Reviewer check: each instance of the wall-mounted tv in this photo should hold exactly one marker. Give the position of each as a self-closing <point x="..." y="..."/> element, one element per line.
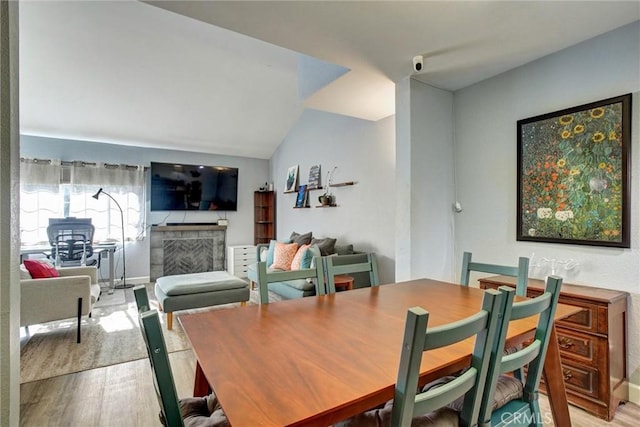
<point x="179" y="187"/>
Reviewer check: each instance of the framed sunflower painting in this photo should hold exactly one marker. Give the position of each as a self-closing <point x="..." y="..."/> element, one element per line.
<point x="573" y="175"/>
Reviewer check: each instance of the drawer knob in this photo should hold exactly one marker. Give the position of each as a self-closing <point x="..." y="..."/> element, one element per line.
<point x="566" y="373"/>
<point x="565" y="342"/>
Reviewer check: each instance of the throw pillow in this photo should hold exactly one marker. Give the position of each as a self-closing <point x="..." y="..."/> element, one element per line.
<point x="263" y="254"/>
<point x="344" y="249"/>
<point x="296" y="263"/>
<point x="327" y="246"/>
<point x="40" y="269"/>
<point x="24" y="273"/>
<point x="301" y="239"/>
<point x="283" y="255"/>
<point x="309" y="254"/>
<point x="272" y="246"/>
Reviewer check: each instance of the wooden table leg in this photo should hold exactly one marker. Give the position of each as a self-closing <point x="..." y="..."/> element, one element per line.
<point x="554" y="380"/>
<point x="201" y="385"/>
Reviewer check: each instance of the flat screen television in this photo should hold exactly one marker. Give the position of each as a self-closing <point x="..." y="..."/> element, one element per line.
<point x="179" y="187"/>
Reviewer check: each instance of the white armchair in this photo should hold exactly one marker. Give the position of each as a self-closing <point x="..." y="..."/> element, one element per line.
<point x="73" y="294"/>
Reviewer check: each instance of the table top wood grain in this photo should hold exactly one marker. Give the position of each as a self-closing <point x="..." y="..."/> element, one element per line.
<point x="317" y="360"/>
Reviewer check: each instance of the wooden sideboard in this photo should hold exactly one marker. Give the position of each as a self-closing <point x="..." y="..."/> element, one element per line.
<point x="593" y="344"/>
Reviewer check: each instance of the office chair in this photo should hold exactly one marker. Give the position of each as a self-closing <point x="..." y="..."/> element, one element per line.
<point x="71" y="241"/>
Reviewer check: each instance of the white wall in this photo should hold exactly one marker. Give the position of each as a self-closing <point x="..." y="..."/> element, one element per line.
<point x="485" y="162"/>
<point x="364" y="152"/>
<point x="425" y="181"/>
<point x="252" y="173"/>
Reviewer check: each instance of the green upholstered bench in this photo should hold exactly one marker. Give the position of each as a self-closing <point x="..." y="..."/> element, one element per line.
<point x="197" y="290"/>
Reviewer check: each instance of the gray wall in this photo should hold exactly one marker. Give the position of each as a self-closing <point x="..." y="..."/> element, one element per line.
<point x="252" y="174"/>
<point x="485" y="157"/>
<point x="364" y="152"/>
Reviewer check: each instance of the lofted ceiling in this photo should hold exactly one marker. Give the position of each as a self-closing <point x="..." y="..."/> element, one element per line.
<point x="228" y="77"/>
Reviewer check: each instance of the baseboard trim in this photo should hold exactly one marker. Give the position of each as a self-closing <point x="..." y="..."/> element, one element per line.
<point x="634" y="393"/>
<point x="133" y="280"/>
<point x="138" y="280"/>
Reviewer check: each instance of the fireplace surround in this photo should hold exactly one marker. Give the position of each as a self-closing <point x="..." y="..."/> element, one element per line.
<point x="182" y="249"/>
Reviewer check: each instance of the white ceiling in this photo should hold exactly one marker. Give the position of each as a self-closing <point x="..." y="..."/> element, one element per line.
<point x="131" y="73"/>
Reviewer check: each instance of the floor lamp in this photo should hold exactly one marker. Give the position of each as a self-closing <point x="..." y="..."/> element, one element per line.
<point x="124" y="264"/>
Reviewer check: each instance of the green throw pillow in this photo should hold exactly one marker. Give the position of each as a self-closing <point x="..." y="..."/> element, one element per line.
<point x="308" y="255"/>
<point x="272" y="248"/>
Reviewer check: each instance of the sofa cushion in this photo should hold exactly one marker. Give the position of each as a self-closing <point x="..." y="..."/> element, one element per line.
<point x="40" y="269"/>
<point x="301" y="239"/>
<point x="24" y="273"/>
<point x="300" y="284"/>
<point x="194" y="283"/>
<point x="327" y="245"/>
<point x="309" y="254"/>
<point x="272" y="247"/>
<point x="344" y="249"/>
<point x="296" y="263"/>
<point x="283" y="255"/>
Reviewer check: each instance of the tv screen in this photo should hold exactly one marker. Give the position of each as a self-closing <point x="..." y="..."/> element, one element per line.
<point x="178" y="187"/>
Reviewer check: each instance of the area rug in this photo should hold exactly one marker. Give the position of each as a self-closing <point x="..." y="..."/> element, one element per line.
<point x="110" y="336"/>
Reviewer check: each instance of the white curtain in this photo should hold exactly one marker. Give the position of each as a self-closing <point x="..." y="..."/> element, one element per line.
<point x="40" y="198"/>
<point x="52" y="189"/>
<point x="122" y="182"/>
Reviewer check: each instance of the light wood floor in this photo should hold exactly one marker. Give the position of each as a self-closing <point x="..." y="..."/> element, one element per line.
<point x="123" y="395"/>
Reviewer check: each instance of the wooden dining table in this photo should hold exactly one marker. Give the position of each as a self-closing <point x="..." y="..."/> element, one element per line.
<point x="317" y="360"/>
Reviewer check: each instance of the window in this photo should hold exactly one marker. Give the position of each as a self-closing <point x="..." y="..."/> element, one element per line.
<point x="49" y="189"/>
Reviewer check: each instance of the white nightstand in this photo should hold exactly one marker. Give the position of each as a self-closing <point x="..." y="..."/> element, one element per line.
<point x="239" y="258"/>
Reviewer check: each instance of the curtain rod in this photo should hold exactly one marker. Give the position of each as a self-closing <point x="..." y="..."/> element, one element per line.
<point x="81" y="163"/>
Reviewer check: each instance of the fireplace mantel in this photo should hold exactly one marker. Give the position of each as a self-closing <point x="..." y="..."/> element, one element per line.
<point x="188" y="227"/>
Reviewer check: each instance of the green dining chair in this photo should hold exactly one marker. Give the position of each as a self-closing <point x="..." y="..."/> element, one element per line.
<point x="421" y="408"/>
<point x="507" y="400"/>
<point x="174" y="412"/>
<point x="263" y="276"/>
<point x="326" y="283"/>
<point x="521" y="271"/>
<point x="142" y="298"/>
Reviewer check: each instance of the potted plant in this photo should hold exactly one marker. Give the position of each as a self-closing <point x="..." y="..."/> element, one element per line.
<point x="327" y="198"/>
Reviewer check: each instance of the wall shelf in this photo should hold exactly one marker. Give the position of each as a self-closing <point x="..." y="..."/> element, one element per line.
<point x="342" y="184"/>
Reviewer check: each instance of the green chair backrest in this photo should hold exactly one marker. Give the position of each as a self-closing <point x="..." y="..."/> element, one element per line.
<point x="533" y="354"/>
<point x="328" y="284"/>
<point x="521" y="271"/>
<point x="265" y="277"/>
<point x="142" y="299"/>
<point x="417" y="339"/>
<point x="160" y="367"/>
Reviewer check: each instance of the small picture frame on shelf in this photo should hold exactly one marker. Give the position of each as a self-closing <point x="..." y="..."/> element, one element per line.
<point x="292" y="179"/>
<point x="301" y="200"/>
<point x="314" y="177"/>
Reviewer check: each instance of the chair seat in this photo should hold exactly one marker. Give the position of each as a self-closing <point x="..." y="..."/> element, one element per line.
<point x="508" y="389"/>
<point x="381" y="417"/>
<point x="202" y="412"/>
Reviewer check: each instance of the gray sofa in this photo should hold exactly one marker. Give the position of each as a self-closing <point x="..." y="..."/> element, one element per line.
<point x="302" y="283"/>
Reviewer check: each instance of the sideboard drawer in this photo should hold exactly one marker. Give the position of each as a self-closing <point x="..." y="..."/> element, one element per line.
<point x="585" y="320"/>
<point x="580" y="378"/>
<point x="577" y="345"/>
